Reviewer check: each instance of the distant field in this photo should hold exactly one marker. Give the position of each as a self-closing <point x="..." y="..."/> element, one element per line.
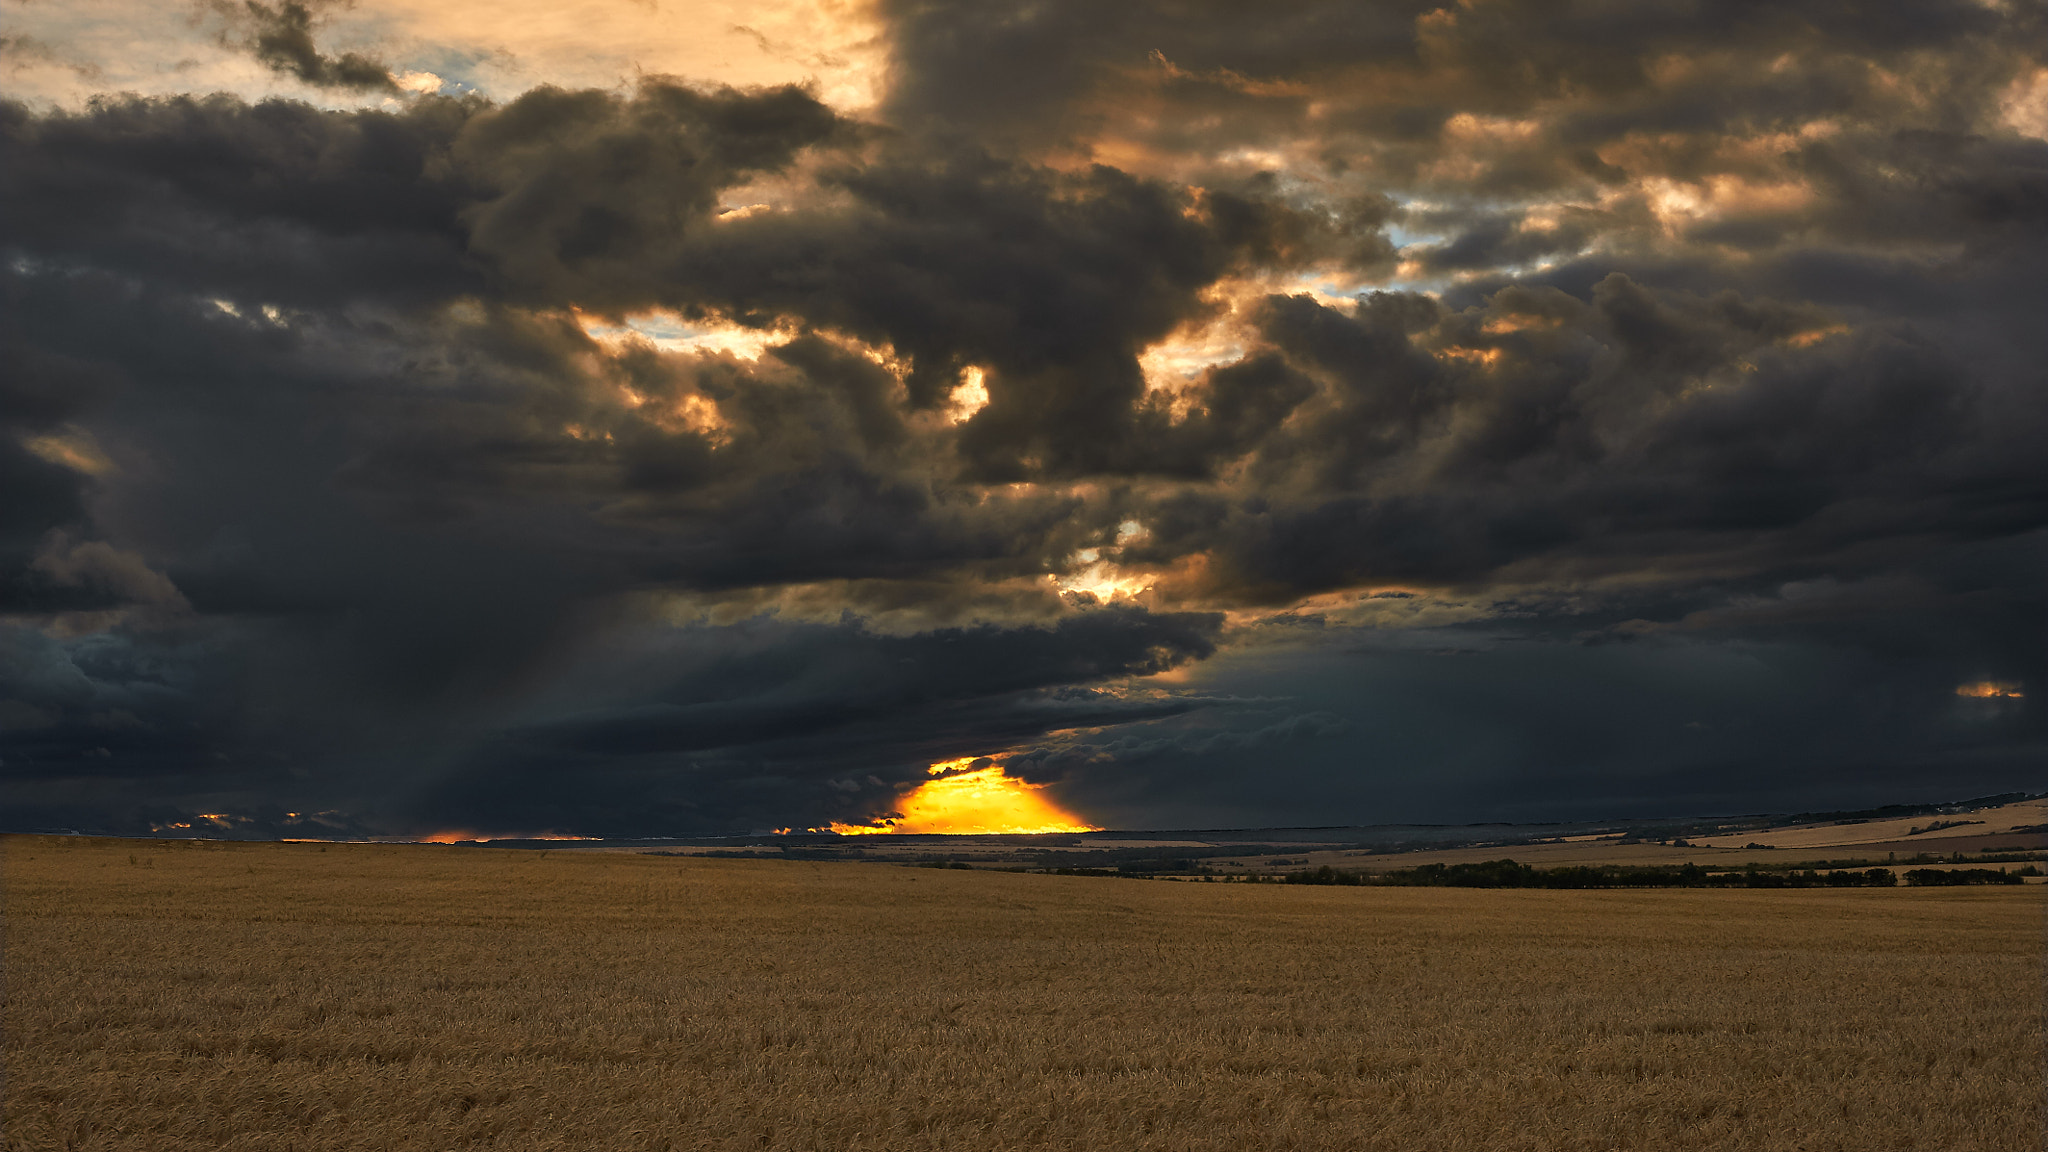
<point x="166" y="995"/>
<point x="1607" y="852"/>
<point x="2007" y="828"/>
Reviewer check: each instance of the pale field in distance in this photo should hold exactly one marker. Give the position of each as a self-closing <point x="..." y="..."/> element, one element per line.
<point x="1980" y="830"/>
<point x="201" y="996"/>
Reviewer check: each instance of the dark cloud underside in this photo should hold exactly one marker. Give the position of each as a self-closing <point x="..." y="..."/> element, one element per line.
<point x="1224" y="412"/>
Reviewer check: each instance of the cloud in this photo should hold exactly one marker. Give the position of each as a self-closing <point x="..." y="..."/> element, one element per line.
<point x="98" y="566"/>
<point x="728" y="730"/>
<point x="670" y="455"/>
<point x="1541" y="433"/>
<point x="281" y="38"/>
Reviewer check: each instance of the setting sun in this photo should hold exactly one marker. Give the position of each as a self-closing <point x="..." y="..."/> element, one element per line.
<point x="965" y="801"/>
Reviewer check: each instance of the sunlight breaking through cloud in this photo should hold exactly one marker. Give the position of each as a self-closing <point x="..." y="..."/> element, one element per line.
<point x="1990" y="690"/>
<point x="963" y="800"/>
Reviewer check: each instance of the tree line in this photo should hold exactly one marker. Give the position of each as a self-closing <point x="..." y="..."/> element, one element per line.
<point x="1510" y="874"/>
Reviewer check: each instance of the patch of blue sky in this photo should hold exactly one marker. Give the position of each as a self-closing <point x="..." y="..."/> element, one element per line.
<point x="461" y="70"/>
<point x="671" y="333"/>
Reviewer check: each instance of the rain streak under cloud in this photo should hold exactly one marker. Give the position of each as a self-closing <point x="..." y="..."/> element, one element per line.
<point x="718" y="418"/>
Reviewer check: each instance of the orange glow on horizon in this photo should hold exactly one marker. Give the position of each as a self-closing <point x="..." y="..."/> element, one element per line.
<point x="1991" y="690"/>
<point x="964" y="801"/>
<point x="450" y="836"/>
<point x="464" y="835"/>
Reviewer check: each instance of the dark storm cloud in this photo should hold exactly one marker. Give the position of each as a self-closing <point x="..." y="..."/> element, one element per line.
<point x="281" y="38"/>
<point x="1385" y="80"/>
<point x="1049" y="281"/>
<point x="858" y="676"/>
<point x="424" y="552"/>
<point x="949" y="256"/>
<point x="1628" y="432"/>
<point x="739" y="728"/>
<point x="541" y="198"/>
<point x="359" y="461"/>
<point x="1509" y="729"/>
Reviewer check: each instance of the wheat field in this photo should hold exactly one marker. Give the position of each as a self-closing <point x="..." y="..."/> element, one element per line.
<point x="293" y="996"/>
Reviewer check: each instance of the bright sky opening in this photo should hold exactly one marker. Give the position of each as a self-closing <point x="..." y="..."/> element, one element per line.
<point x="964" y="801"/>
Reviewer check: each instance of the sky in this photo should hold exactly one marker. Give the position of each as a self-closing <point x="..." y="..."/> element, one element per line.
<point x="646" y="418"/>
